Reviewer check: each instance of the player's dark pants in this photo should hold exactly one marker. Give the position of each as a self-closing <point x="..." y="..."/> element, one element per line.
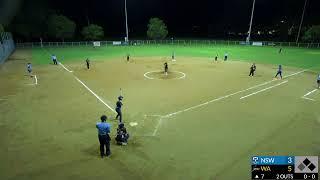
<point x="104" y="142"/>
<point x="279" y="73"/>
<point x="226" y="58"/>
<point x="251" y="73"/>
<point x="318" y="81"/>
<point x="118" y="110"/>
<point x="166" y="70"/>
<point x="88" y="66"/>
<point x="55" y="62"/>
<point x="122" y="138"/>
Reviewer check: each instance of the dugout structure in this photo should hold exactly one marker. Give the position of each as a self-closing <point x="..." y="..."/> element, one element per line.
<point x="6" y="46"/>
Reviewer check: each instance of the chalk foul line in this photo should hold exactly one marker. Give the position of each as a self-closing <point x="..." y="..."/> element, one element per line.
<point x="262" y="90"/>
<point x="229" y="95"/>
<point x="309" y="93"/>
<point x="64" y="67"/>
<point x="35" y="80"/>
<point x="112" y="109"/>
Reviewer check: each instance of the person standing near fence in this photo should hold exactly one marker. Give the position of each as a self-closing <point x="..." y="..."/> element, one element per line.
<point x="103" y="135"/>
<point x="54" y="59"/>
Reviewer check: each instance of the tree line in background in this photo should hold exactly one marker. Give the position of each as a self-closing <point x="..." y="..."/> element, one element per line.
<point x="60" y="27"/>
<point x="37" y="21"/>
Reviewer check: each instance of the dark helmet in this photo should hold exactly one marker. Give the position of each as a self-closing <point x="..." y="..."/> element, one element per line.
<point x="103" y="118"/>
<point x="120" y="97"/>
<point x="121" y="125"/>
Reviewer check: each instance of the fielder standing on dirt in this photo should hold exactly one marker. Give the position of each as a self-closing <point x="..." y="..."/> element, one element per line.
<point x="279" y="72"/>
<point x="29" y="69"/>
<point x="54" y="59"/>
<point x="88" y="63"/>
<point x="252" y="69"/>
<point x="318" y="81"/>
<point x="166" y="67"/>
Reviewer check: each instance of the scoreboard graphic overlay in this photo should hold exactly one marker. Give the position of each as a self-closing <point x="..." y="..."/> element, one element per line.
<point x="284" y="167"/>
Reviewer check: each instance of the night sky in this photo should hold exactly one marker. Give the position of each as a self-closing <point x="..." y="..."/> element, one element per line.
<point x="185" y="17"/>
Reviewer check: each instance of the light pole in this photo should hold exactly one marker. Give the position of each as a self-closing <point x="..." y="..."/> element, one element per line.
<point x="250" y="27"/>
<point x="127" y="31"/>
<point x="302" y="17"/>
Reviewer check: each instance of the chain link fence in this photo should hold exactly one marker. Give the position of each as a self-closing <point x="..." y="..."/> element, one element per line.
<point x="168" y="42"/>
<point x="6" y="46"/>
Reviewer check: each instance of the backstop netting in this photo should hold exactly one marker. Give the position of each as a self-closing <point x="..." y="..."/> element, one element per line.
<point x="6" y="46"/>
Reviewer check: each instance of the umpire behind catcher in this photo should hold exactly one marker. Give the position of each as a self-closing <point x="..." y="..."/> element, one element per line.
<point x="103" y="135"/>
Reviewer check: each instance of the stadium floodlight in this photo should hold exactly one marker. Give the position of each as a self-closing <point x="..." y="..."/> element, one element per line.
<point x="126" y="14"/>
<point x="301" y="22"/>
<point x="250" y="27"/>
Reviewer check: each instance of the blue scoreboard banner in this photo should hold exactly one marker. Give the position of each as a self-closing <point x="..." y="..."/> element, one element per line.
<point x="272" y="160"/>
<point x="284" y="167"/>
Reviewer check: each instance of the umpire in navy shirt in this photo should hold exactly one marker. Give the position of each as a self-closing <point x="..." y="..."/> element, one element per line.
<point x="103" y="135"/>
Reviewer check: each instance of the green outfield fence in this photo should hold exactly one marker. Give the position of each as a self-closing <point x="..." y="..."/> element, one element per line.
<point x="167" y="42"/>
<point x="6" y="46"/>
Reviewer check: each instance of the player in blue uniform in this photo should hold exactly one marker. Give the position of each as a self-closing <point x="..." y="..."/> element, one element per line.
<point x="118" y="108"/>
<point x="29" y="68"/>
<point x="54" y="59"/>
<point x="318" y="81"/>
<point x="279" y="72"/>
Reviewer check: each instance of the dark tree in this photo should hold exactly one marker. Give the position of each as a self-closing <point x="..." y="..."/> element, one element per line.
<point x="157" y="29"/>
<point x="92" y="32"/>
<point x="30" y="22"/>
<point x="61" y="27"/>
<point x="1" y="28"/>
<point x="312" y="34"/>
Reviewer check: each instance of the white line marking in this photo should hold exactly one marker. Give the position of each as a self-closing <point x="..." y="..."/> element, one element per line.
<point x="152" y="115"/>
<point x="146" y="75"/>
<point x="262" y="90"/>
<point x="182" y="77"/>
<point x="95" y="95"/>
<point x="157" y="127"/>
<point x="35" y="77"/>
<point x="35" y="80"/>
<point x="2" y="99"/>
<point x="296" y="73"/>
<point x="308" y="98"/>
<point x="223" y="97"/>
<point x="64" y="67"/>
<point x="310" y="92"/>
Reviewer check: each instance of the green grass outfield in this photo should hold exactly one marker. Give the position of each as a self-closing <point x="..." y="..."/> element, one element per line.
<point x="296" y="57"/>
<point x="205" y="126"/>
